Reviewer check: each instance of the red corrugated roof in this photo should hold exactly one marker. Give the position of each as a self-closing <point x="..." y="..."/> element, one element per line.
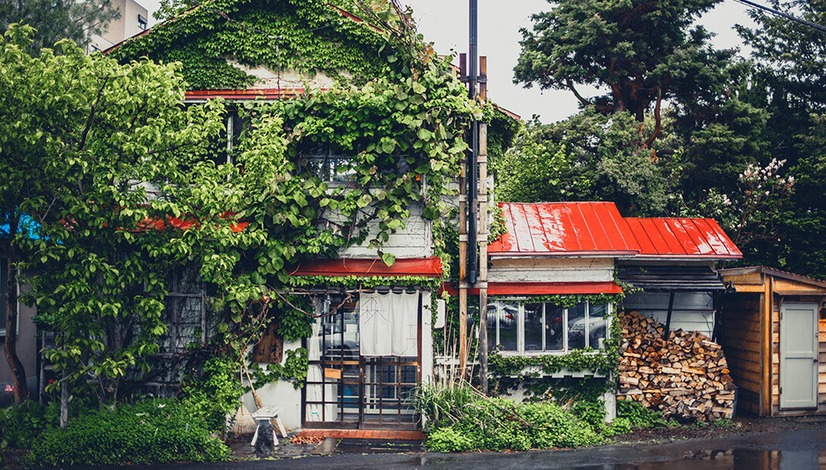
<point x="563" y="228"/>
<point x="671" y="237"/>
<point x="598" y="229"/>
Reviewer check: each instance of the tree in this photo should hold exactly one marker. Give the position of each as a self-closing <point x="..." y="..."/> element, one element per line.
<point x="589" y="156"/>
<point x="791" y="84"/>
<point x="77" y="136"/>
<point x="643" y="52"/>
<point x="54" y="20"/>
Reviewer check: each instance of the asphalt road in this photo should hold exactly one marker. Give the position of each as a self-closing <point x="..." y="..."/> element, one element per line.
<point x="799" y="449"/>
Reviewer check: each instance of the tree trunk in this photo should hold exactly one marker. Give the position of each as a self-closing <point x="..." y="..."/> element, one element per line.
<point x="64" y="400"/>
<point x="18" y="373"/>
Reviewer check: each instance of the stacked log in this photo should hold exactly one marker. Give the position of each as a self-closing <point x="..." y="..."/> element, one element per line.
<point x="684" y="376"/>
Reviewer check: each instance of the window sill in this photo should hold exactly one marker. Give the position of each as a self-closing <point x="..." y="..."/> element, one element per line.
<point x="545" y="353"/>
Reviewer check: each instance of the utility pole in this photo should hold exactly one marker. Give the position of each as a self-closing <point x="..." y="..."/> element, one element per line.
<point x="473" y="207"/>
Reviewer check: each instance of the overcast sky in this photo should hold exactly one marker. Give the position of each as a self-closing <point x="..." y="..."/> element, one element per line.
<point x="445" y="23"/>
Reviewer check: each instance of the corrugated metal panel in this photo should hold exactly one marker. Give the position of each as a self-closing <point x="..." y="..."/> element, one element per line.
<point x="668" y="278"/>
<point x="563" y="228"/>
<point x="681" y="238"/>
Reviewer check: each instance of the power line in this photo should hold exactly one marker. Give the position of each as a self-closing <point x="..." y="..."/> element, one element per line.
<point x="773" y="11"/>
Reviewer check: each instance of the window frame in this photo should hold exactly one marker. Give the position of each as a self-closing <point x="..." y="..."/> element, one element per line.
<point x="520" y="303"/>
<point x="3" y="293"/>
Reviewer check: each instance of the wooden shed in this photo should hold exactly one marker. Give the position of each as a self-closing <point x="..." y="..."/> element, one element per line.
<point x="774" y="337"/>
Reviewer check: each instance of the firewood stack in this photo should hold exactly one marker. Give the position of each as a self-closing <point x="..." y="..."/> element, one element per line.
<point x="684" y="377"/>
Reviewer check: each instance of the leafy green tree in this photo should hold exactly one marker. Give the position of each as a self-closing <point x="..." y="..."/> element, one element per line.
<point x="589" y="156"/>
<point x="791" y="84"/>
<point x="86" y="147"/>
<point x="54" y="20"/>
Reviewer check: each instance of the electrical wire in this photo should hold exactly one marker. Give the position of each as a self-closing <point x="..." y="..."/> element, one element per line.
<point x="773" y="11"/>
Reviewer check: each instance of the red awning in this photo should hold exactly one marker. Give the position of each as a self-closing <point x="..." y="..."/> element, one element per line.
<point x="430" y="267"/>
<point x="542" y="288"/>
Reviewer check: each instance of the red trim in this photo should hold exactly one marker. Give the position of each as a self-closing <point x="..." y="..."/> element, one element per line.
<point x="430" y="267"/>
<point x="248" y="94"/>
<point x="184" y="224"/>
<point x="541" y="288"/>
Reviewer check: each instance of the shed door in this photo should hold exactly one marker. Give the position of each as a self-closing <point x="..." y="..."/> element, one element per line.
<point x="798" y="356"/>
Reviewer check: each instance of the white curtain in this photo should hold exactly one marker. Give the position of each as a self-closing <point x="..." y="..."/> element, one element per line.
<point x="314" y="373"/>
<point x="389" y="324"/>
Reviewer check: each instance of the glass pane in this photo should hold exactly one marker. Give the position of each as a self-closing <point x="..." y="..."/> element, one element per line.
<point x="553" y="328"/>
<point x="189" y="281"/>
<point x="598" y="326"/>
<point x="533" y="327"/>
<point x="576" y="327"/>
<point x="3" y="290"/>
<point x="508" y="315"/>
<point x="492" y="320"/>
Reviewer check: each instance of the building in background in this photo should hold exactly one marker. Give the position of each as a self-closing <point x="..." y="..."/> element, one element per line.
<point x="133" y="19"/>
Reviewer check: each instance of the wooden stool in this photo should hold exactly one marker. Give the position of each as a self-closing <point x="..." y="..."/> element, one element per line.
<point x="266" y="413"/>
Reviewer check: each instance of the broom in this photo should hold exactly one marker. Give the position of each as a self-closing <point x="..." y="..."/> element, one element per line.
<point x="243" y="423"/>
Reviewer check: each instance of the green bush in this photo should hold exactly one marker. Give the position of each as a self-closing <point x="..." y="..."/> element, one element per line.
<point x="160" y="431"/>
<point x="641" y="417"/>
<point x="20" y="425"/>
<point x="214" y="391"/>
<point x="448" y="440"/>
<point x="465" y="420"/>
<point x="591" y="411"/>
<point x="617" y="427"/>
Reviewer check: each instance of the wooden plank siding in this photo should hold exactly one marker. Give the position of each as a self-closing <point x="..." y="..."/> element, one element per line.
<point x="821" y="372"/>
<point x="762" y="291"/>
<point x="742" y="346"/>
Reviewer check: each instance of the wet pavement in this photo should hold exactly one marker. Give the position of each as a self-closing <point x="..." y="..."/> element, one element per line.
<point x="802" y="448"/>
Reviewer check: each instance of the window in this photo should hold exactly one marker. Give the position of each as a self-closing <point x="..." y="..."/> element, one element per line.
<point x="542" y="327"/>
<point x="141" y="23"/>
<point x="4" y="290"/>
<point x="185" y="311"/>
<point x="327" y="164"/>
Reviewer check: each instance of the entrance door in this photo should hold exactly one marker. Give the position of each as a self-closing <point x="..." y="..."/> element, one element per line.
<point x="798" y="356"/>
<point x="345" y="389"/>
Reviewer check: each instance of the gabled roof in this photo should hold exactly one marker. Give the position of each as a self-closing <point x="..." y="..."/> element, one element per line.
<point x="563" y="228"/>
<point x="597" y="229"/>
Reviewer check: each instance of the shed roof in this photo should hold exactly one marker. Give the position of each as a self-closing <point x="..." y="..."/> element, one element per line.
<point x="598" y="229"/>
<point x="754" y="275"/>
<point x="671" y="237"/>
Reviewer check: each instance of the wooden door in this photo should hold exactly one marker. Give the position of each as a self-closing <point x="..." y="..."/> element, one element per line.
<point x="798" y="356"/>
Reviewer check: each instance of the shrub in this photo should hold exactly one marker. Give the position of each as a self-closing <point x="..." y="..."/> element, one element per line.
<point x="592" y="412"/>
<point x="21" y="424"/>
<point x="639" y="416"/>
<point x="160" y="431"/>
<point x="617" y="427"/>
<point x="214" y="391"/>
<point x="462" y="419"/>
<point x="448" y="440"/>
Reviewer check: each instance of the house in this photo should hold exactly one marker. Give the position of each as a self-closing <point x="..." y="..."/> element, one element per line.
<point x="389" y="135"/>
<point x="555" y="276"/>
<point x="774" y="336"/>
<point x="27" y="342"/>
